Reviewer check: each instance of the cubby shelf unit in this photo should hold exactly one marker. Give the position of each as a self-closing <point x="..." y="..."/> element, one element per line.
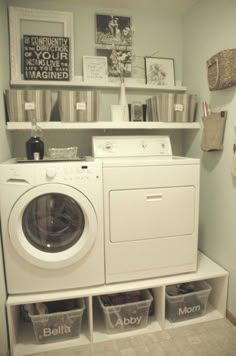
<point x="22" y="340"/>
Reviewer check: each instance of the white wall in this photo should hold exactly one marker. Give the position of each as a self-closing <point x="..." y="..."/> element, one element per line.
<point x="4" y="154"/>
<point x="4" y="79"/>
<point x="208" y="28"/>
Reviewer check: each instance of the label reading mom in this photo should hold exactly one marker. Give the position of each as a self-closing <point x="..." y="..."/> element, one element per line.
<point x="46" y="58"/>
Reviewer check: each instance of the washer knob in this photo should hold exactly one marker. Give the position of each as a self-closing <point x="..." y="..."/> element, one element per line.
<point x="108" y="146"/>
<point x="51" y="172"/>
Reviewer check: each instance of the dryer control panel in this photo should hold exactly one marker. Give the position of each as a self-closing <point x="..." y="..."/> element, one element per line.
<point x="131" y="146"/>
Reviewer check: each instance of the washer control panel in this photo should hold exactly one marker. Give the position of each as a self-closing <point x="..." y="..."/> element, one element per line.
<point x="56" y="172"/>
<point x="131" y="146"/>
<point x="67" y="172"/>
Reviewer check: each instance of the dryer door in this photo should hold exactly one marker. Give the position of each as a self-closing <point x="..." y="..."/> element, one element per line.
<point x="52" y="226"/>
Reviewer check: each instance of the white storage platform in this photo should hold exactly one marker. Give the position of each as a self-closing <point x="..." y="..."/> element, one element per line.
<point x="22" y="339"/>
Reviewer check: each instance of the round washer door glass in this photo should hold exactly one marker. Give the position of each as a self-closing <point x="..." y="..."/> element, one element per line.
<point x="53" y="222"/>
<point x="53" y="226"/>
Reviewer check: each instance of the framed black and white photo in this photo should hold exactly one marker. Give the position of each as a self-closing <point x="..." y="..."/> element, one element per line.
<point x="118" y="61"/>
<point x="113" y="29"/>
<point x="159" y="71"/>
<point x="95" y="69"/>
<point x="137" y="111"/>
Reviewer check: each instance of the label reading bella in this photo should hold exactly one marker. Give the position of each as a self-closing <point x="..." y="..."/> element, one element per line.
<point x="60" y="330"/>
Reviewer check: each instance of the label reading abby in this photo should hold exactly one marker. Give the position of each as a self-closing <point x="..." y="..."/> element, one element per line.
<point x="132" y="320"/>
<point x="46" y="58"/>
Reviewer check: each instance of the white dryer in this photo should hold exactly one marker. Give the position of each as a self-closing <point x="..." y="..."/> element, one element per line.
<point x="151" y="207"/>
<point x="52" y="225"/>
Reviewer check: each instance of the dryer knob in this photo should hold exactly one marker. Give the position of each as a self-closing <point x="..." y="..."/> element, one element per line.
<point x="51" y="172"/>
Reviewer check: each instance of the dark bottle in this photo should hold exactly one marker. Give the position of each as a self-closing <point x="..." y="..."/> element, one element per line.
<point x="34" y="148"/>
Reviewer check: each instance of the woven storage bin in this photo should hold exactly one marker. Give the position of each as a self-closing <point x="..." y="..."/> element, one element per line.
<point x="78" y="106"/>
<point x="221" y="70"/>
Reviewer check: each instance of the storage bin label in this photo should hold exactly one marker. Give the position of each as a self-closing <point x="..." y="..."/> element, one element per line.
<point x="189" y="310"/>
<point x="81" y="106"/>
<point x="129" y="321"/>
<point x="29" y="106"/>
<point x="60" y="330"/>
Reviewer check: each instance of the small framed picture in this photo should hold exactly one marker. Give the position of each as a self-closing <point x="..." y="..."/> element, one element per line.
<point x="159" y="71"/>
<point x="118" y="61"/>
<point x="137" y="112"/>
<point x="95" y="69"/>
<point x="113" y="29"/>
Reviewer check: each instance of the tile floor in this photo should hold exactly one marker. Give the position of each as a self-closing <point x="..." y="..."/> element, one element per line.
<point x="214" y="338"/>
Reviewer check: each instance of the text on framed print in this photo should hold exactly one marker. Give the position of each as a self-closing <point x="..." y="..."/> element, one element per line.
<point x="46" y="58"/>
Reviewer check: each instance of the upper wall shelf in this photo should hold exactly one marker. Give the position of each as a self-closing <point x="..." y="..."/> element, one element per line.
<point x="77" y="82"/>
<point x="58" y="125"/>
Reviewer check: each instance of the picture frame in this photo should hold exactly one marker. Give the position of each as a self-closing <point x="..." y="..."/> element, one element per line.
<point x="159" y="71"/>
<point x="95" y="69"/>
<point x="119" y="61"/>
<point x="137" y="112"/>
<point x="38" y="22"/>
<point x="113" y="29"/>
<point x="46" y="58"/>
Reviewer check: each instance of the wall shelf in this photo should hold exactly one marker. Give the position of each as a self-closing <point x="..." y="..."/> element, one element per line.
<point x="58" y="125"/>
<point x="79" y="83"/>
<point x="22" y="340"/>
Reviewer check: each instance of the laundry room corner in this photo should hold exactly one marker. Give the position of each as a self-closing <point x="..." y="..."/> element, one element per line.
<point x="117" y="226"/>
<point x="208" y="28"/>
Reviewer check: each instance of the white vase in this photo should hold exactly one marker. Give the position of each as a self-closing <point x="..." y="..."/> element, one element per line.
<point x="117" y="113"/>
<point x="123" y="101"/>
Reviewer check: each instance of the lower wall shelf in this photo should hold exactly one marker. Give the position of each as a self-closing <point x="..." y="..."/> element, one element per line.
<point x="58" y="125"/>
<point x="22" y="339"/>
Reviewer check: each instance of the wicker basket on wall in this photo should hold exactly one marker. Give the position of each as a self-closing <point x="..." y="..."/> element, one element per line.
<point x="221" y="70"/>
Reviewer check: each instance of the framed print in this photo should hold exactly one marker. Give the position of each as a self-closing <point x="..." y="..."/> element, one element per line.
<point x="46" y="58"/>
<point x="26" y="21"/>
<point x="118" y="61"/>
<point x="159" y="71"/>
<point x="95" y="68"/>
<point x="112" y="29"/>
<point x="137" y="111"/>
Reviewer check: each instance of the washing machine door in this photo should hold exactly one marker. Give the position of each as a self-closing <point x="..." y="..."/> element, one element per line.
<point x="52" y="225"/>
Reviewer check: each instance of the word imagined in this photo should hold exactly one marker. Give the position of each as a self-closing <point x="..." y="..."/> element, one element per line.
<point x="60" y="330"/>
<point x="129" y="321"/>
<point x="46" y="58"/>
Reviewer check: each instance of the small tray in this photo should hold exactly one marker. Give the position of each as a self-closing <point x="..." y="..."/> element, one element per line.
<point x="47" y="159"/>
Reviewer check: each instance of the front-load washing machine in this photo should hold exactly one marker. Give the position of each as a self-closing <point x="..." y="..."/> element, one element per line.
<point x="151" y="201"/>
<point x="52" y="225"/>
